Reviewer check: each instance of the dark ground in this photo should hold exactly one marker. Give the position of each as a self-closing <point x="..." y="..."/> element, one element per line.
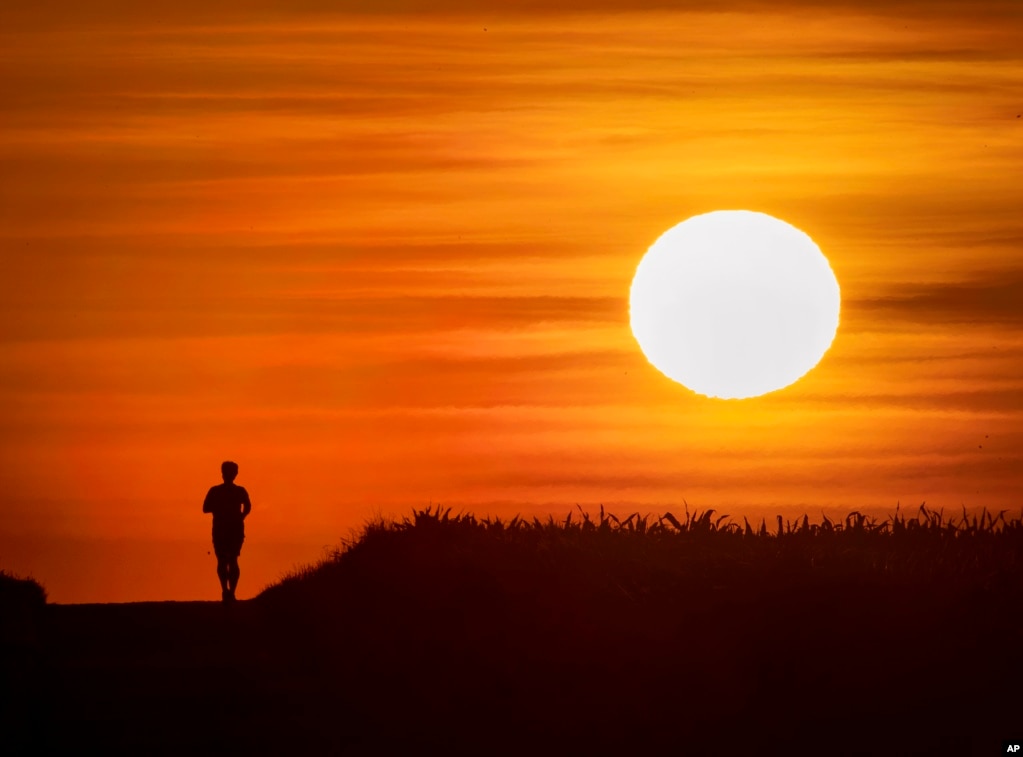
<point x="466" y="655"/>
<point x="199" y="678"/>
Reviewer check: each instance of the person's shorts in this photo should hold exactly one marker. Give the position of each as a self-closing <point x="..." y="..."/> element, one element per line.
<point x="227" y="542"/>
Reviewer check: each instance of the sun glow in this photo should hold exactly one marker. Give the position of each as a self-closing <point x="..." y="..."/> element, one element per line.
<point x="734" y="304"/>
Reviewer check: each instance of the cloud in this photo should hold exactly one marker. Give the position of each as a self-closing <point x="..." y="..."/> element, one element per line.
<point x="127" y="12"/>
<point x="235" y="316"/>
<point x="994" y="299"/>
<point x="998" y="400"/>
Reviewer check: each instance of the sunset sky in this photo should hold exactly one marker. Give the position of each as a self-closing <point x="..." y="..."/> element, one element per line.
<point x="379" y="254"/>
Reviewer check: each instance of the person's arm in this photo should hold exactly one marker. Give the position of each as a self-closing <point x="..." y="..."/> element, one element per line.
<point x="246" y="504"/>
<point x="207" y="504"/>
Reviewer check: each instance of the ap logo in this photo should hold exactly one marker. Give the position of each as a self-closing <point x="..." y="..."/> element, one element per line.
<point x="1013" y="747"/>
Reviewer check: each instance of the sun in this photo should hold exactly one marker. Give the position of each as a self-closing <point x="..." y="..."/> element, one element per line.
<point x="734" y="304"/>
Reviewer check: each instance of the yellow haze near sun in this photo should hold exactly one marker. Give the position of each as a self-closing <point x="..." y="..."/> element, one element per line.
<point x="734" y="304"/>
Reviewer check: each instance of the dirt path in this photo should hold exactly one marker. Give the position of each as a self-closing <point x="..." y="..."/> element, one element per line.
<point x="170" y="678"/>
<point x="196" y="678"/>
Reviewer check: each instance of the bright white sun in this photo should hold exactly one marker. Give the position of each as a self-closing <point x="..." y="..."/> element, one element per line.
<point x="734" y="304"/>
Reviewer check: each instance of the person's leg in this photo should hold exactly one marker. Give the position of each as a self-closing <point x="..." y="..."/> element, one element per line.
<point x="232" y="575"/>
<point x="223" y="573"/>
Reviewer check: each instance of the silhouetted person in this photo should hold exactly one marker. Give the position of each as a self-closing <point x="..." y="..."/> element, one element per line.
<point x="229" y="505"/>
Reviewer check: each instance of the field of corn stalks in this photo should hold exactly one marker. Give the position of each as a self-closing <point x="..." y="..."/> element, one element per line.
<point x="683" y="623"/>
<point x="928" y="545"/>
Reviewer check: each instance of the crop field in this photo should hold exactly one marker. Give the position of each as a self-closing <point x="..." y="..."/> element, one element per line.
<point x="680" y="634"/>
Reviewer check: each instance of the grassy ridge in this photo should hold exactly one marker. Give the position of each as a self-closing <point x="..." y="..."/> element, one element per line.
<point x="15" y="589"/>
<point x="928" y="545"/>
<point x="611" y="634"/>
<point x="21" y="604"/>
<point x="22" y="607"/>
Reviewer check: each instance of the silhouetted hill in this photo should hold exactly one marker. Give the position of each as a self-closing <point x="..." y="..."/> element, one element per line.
<point x="22" y="607"/>
<point x="22" y="602"/>
<point x="454" y="636"/>
<point x="677" y="637"/>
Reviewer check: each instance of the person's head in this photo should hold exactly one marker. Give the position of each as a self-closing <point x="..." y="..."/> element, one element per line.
<point x="229" y="471"/>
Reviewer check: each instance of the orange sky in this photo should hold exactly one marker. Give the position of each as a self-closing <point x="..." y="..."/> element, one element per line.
<point x="382" y="259"/>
